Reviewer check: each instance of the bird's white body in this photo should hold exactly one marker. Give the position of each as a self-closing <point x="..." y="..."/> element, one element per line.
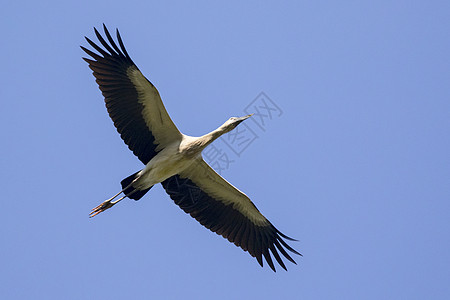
<point x="170" y="161"/>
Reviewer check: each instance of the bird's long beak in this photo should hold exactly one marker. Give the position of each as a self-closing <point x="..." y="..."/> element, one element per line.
<point x="239" y="120"/>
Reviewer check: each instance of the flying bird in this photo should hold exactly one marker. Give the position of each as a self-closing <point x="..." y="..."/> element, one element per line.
<point x="174" y="159"/>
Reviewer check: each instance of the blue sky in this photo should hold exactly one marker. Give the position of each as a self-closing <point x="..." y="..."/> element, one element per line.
<point x="356" y="167"/>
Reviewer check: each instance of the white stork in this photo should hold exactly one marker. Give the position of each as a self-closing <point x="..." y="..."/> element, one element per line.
<point x="174" y="159"/>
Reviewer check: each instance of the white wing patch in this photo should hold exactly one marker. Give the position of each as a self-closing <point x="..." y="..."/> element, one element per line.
<point x="154" y="112"/>
<point x="221" y="190"/>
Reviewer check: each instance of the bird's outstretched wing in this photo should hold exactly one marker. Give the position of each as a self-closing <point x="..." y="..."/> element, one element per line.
<point x="132" y="101"/>
<point x="223" y="209"/>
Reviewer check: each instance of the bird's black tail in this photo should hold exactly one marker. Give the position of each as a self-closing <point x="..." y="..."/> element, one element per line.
<point x="130" y="191"/>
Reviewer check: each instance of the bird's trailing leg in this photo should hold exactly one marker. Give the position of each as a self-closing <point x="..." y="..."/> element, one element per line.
<point x="106" y="204"/>
<point x="110" y="203"/>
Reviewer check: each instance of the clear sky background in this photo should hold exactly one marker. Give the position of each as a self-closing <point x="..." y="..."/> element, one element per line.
<point x="357" y="166"/>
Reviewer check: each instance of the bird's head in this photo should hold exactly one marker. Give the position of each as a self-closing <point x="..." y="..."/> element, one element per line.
<point x="232" y="122"/>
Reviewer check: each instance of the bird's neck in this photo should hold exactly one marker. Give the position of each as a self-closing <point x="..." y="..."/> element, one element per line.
<point x="193" y="146"/>
<point x="211" y="137"/>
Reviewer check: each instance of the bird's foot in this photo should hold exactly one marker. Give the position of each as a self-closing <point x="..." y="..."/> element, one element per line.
<point x="101" y="208"/>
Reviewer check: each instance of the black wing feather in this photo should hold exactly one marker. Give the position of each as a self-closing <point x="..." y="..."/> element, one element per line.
<point x="229" y="222"/>
<point x="121" y="98"/>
